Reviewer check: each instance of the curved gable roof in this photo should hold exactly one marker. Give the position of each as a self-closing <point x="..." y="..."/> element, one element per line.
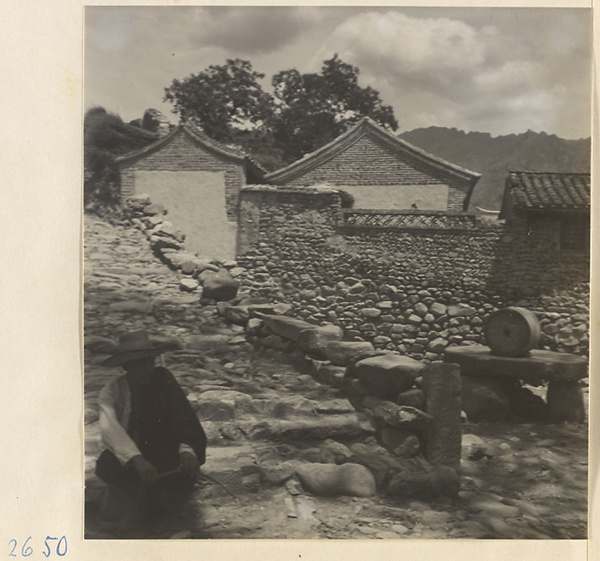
<point x="368" y="127"/>
<point x="195" y="135"/>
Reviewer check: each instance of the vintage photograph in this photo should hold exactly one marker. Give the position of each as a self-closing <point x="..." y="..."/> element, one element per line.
<point x="336" y="272"/>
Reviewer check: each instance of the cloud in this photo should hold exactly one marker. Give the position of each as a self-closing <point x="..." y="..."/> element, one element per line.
<point x="501" y="75"/>
<point x="248" y="30"/>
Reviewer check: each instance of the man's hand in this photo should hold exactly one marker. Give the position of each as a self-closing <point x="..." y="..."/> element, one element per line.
<point x="190" y="466"/>
<point x="145" y="469"/>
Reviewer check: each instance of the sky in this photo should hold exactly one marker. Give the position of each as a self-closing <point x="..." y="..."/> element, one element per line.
<point x="496" y="70"/>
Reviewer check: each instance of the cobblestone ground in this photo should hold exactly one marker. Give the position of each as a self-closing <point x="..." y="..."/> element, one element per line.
<point x="518" y="481"/>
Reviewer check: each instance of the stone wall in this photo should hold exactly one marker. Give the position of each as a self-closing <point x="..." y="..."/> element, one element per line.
<point x="414" y="291"/>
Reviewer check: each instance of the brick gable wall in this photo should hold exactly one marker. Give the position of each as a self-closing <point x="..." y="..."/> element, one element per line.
<point x="183" y="154"/>
<point x="369" y="163"/>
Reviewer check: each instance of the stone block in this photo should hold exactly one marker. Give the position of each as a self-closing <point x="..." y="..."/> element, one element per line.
<point x="442" y="388"/>
<point x="387" y="375"/>
<point x="220" y="286"/>
<point x="353" y="480"/>
<point x="400" y="442"/>
<point x="400" y="416"/>
<point x="315" y="339"/>
<point x="484" y="399"/>
<point x="341" y="353"/>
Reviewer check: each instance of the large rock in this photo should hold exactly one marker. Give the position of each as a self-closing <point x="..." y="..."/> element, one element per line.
<point x="442" y="386"/>
<point x="342" y="353"/>
<point x="413" y="398"/>
<point x="565" y="402"/>
<point x="400" y="416"/>
<point x="381" y="461"/>
<point x="221" y="405"/>
<point x="388" y="375"/>
<point x="330" y="480"/>
<point x="220" y="286"/>
<point x="284" y="326"/>
<point x="400" y="442"/>
<point x="484" y="399"/>
<point x="314" y="340"/>
<point x="425" y="485"/>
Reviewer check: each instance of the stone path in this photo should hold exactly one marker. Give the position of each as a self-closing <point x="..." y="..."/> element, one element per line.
<point x="261" y="413"/>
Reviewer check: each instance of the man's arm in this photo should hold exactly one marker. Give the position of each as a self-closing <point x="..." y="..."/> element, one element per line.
<point x="114" y="435"/>
<point x="189" y="428"/>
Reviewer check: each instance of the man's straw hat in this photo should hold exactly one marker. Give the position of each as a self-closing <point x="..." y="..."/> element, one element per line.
<point x="133" y="346"/>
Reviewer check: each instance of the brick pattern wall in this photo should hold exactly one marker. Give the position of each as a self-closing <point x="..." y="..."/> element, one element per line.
<point x="183" y="154"/>
<point x="368" y="163"/>
<point x="411" y="291"/>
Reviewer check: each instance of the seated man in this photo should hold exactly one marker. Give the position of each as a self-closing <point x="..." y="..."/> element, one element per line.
<point x="149" y="430"/>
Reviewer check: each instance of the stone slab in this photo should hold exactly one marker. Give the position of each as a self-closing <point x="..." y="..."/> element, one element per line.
<point x="539" y="367"/>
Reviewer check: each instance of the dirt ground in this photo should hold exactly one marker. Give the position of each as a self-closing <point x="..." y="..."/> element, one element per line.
<point x="526" y="481"/>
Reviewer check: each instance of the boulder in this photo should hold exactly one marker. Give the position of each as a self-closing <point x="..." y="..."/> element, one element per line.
<point x="222" y="405"/>
<point x="425" y="485"/>
<point x="400" y="442"/>
<point x="220" y="286"/>
<point x="329" y="480"/>
<point x="388" y="375"/>
<point x="400" y="416"/>
<point x="314" y="340"/>
<point x="274" y="473"/>
<point x="284" y="326"/>
<point x="154" y="209"/>
<point x="188" y="285"/>
<point x="333" y="452"/>
<point x="484" y="399"/>
<point x="161" y="242"/>
<point x="341" y="353"/>
<point x="412" y="398"/>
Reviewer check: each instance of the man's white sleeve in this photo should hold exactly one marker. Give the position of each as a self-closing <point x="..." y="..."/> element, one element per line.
<point x="114" y="435"/>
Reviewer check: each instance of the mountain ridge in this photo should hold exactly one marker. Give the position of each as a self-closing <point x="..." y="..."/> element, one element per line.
<point x="494" y="156"/>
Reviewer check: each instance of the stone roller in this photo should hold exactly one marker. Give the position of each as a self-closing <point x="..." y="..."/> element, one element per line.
<point x="512" y="332"/>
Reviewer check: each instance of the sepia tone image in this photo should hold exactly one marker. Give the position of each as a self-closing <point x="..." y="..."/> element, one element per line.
<point x="336" y="272"/>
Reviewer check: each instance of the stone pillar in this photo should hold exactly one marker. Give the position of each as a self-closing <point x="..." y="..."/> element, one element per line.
<point x="442" y="387"/>
<point x="565" y="402"/>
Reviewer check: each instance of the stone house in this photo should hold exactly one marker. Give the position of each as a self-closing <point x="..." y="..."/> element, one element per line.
<point x="383" y="172"/>
<point x="552" y="206"/>
<point x="198" y="181"/>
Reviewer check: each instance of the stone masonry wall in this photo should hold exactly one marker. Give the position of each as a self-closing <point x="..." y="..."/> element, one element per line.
<point x="415" y="292"/>
<point x="183" y="154"/>
<point x="369" y="163"/>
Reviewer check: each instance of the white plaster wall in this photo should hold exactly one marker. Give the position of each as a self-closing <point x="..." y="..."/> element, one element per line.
<point x="195" y="201"/>
<point x="399" y="197"/>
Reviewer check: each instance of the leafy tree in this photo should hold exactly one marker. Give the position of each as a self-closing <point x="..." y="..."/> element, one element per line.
<point x="304" y="112"/>
<point x="315" y="108"/>
<point x="223" y="100"/>
<point x="106" y="136"/>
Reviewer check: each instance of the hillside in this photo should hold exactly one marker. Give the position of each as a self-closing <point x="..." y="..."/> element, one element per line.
<point x="493" y="157"/>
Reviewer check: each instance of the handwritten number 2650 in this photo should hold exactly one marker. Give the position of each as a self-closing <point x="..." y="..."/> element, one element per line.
<point x="27" y="550"/>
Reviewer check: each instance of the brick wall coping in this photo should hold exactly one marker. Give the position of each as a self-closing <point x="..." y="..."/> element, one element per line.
<point x="368" y="127"/>
<point x="196" y="135"/>
<point x="310" y="190"/>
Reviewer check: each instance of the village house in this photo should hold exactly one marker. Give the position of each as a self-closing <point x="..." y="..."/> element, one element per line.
<point x="383" y="172"/>
<point x="198" y="180"/>
<point x="551" y="206"/>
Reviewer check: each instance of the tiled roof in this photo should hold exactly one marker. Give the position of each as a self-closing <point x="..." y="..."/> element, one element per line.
<point x="195" y="134"/>
<point x="557" y="191"/>
<point x="367" y="126"/>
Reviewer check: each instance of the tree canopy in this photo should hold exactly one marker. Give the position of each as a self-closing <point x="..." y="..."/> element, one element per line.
<point x="304" y="111"/>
